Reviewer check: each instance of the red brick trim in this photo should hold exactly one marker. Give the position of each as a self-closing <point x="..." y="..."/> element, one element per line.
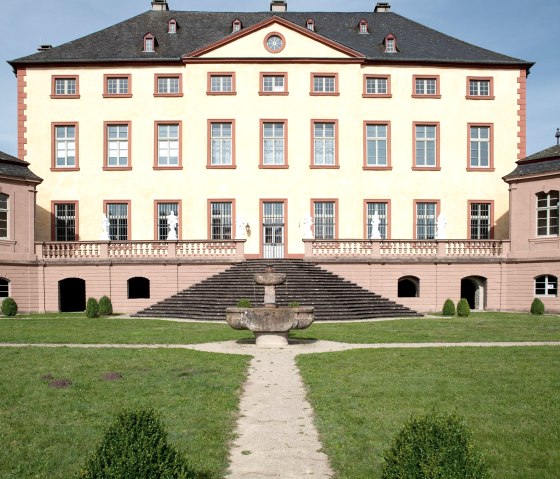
<point x="209" y="144"/>
<point x="179" y="217"/>
<point x="21" y="112"/>
<point x="273" y="93"/>
<point x="437" y="167"/>
<point x="365" y="166"/>
<point x="54" y="124"/>
<point x="312" y="164"/>
<point x="261" y="133"/>
<point x="387" y="77"/>
<point x="374" y="200"/>
<point x="522" y="114"/>
<point x="65" y="202"/>
<point x="106" y="166"/>
<point x="336" y="91"/>
<point x="209" y="202"/>
<point x="336" y="215"/>
<point x="426" y="77"/>
<point x="157" y="166"/>
<point x="220" y="74"/>
<point x="490" y="166"/>
<point x="260" y="225"/>
<point x="414" y="203"/>
<point x="157" y="76"/>
<point x="490" y="95"/>
<point x="65" y="77"/>
<point x="129" y="218"/>
<point x="106" y="77"/>
<point x="491" y="223"/>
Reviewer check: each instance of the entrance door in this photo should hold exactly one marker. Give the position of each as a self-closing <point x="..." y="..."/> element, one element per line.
<point x="72" y="295"/>
<point x="273" y="229"/>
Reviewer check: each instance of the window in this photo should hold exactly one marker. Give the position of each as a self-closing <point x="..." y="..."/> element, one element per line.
<point x="117" y="86"/>
<point x="380" y="221"/>
<point x="4" y="216"/>
<point x="118" y="214"/>
<point x="65" y="87"/>
<point x="480" y="221"/>
<point x="426" y="87"/>
<point x="273" y="83"/>
<point x="310" y="24"/>
<point x="274" y="42"/>
<point x="274" y="142"/>
<point x="221" y="84"/>
<point x="138" y="288"/>
<point x="547" y="213"/>
<point x="149" y="43"/>
<point x="480" y="147"/>
<point x="546" y="285"/>
<point x="221" y="143"/>
<point x="390" y="44"/>
<point x="480" y="88"/>
<point x="426" y="146"/>
<point x="65" y="146"/>
<point x="221" y="220"/>
<point x="164" y="209"/>
<point x="324" y="143"/>
<point x="324" y="219"/>
<point x="117" y="143"/>
<point x="426" y="213"/>
<point x="377" y="145"/>
<point x="65" y="221"/>
<point x="236" y="26"/>
<point x="377" y="86"/>
<point x="168" y="153"/>
<point x="324" y="84"/>
<point x="172" y="26"/>
<point x="168" y="85"/>
<point x="363" y="26"/>
<point x="4" y="288"/>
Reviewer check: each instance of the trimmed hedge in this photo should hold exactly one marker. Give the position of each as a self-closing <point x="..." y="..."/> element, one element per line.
<point x="92" y="308"/>
<point x="463" y="308"/>
<point x="105" y="306"/>
<point x="9" y="307"/>
<point x="135" y="446"/>
<point x="244" y="303"/>
<point x="448" y="308"/>
<point x="537" y="306"/>
<point x="433" y="447"/>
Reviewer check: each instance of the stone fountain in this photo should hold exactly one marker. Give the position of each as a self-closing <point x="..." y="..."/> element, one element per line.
<point x="270" y="323"/>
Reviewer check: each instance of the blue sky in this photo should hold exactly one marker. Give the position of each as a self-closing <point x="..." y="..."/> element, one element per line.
<point x="523" y="29"/>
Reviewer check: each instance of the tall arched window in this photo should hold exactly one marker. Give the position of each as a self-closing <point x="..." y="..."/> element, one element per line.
<point x="4" y="216"/>
<point x="547" y="213"/>
<point x="546" y="285"/>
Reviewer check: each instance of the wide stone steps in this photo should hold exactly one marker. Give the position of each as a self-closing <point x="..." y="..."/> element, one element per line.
<point x="333" y="297"/>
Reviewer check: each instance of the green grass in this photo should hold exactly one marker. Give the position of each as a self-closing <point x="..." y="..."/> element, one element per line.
<point x="477" y="327"/>
<point x="509" y="398"/>
<point x="76" y="328"/>
<point x="48" y="432"/>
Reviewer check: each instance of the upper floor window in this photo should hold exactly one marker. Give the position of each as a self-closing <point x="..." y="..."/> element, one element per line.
<point x="426" y="87"/>
<point x="273" y="83"/>
<point x="149" y="43"/>
<point x="117" y="153"/>
<point x="221" y="84"/>
<point x="363" y="26"/>
<point x="546" y="285"/>
<point x="168" y="85"/>
<point x="221" y="143"/>
<point x="65" y="146"/>
<point x="65" y="87"/>
<point x="426" y="213"/>
<point x="117" y="86"/>
<point x="390" y="44"/>
<point x="168" y="145"/>
<point x="480" y="88"/>
<point x="324" y="84"/>
<point x="4" y="215"/>
<point x="377" y="86"/>
<point x="221" y="220"/>
<point x="324" y="143"/>
<point x="376" y="145"/>
<point x="310" y="24"/>
<point x="480" y="220"/>
<point x="273" y="143"/>
<point x="65" y="221"/>
<point x="324" y="219"/>
<point x="118" y="216"/>
<point x="274" y="42"/>
<point x="547" y="213"/>
<point x="172" y="26"/>
<point x="480" y="147"/>
<point x="426" y="149"/>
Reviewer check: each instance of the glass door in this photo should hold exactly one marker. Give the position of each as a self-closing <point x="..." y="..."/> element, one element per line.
<point x="273" y="229"/>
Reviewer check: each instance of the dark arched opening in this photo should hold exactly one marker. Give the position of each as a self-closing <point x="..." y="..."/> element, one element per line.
<point x="408" y="287"/>
<point x="4" y="288"/>
<point x="71" y="295"/>
<point x="138" y="287"/>
<point x="473" y="290"/>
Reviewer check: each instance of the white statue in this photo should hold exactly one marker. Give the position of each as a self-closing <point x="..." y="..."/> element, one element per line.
<point x="172" y="223"/>
<point x="441" y="224"/>
<point x="375" y="234"/>
<point x="307" y="224"/>
<point x="104" y="228"/>
<point x="241" y="228"/>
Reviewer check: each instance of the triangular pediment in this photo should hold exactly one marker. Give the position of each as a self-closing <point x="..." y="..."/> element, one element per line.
<point x="289" y="41"/>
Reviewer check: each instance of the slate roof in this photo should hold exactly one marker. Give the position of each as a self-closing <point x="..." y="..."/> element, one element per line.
<point x="124" y="41"/>
<point x="543" y="162"/>
<point x="16" y="168"/>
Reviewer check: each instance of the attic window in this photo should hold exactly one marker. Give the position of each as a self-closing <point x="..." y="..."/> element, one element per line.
<point x="172" y="26"/>
<point x="363" y="26"/>
<point x="310" y="24"/>
<point x="236" y="25"/>
<point x="390" y="44"/>
<point x="149" y="43"/>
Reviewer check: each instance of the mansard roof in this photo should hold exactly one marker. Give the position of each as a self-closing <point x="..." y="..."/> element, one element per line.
<point x="123" y="42"/>
<point x="544" y="162"/>
<point x="13" y="167"/>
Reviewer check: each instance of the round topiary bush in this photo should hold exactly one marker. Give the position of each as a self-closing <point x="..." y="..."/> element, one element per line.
<point x="9" y="307"/>
<point x="537" y="306"/>
<point x="463" y="308"/>
<point x="433" y="447"/>
<point x="135" y="446"/>
<point x="105" y="306"/>
<point x="92" y="308"/>
<point x="448" y="308"/>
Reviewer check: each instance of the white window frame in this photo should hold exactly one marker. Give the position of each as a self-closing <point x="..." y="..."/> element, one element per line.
<point x="274" y="83"/>
<point x="65" y="86"/>
<point x="324" y="143"/>
<point x="548" y="213"/>
<point x="381" y="208"/>
<point x="221" y="220"/>
<point x="119" y="145"/>
<point x="274" y="143"/>
<point x="221" y="83"/>
<point x="164" y="208"/>
<point x="221" y="143"/>
<point x="379" y="143"/>
<point x="479" y="147"/>
<point x="324" y="219"/>
<point x="426" y="220"/>
<point x="479" y="87"/>
<point x="64" y="146"/>
<point x="117" y="86"/>
<point x="324" y="84"/>
<point x="426" y="146"/>
<point x="546" y="285"/>
<point x="168" y="85"/>
<point x="168" y="144"/>
<point x="425" y="86"/>
<point x="4" y="216"/>
<point x="480" y="217"/>
<point x="66" y="213"/>
<point x="118" y="221"/>
<point x="377" y="85"/>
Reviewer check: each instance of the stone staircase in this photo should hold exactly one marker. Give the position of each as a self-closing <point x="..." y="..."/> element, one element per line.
<point x="333" y="297"/>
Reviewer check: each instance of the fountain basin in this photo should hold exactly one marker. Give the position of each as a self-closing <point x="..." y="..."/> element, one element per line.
<point x="270" y="279"/>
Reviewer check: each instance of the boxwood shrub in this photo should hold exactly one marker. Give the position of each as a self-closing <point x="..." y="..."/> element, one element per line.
<point x="105" y="306"/>
<point x="537" y="306"/>
<point x="9" y="307"/>
<point x="463" y="308"/>
<point x="92" y="308"/>
<point x="448" y="308"/>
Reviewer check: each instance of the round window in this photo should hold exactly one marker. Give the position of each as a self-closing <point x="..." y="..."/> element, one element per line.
<point x="274" y="43"/>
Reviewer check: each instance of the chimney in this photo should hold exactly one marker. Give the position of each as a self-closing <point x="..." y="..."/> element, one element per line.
<point x="160" y="5"/>
<point x="278" y="6"/>
<point x="43" y="48"/>
<point x="382" y="7"/>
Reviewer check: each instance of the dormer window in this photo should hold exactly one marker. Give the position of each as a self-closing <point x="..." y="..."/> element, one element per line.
<point x="363" y="26"/>
<point x="172" y="26"/>
<point x="149" y="43"/>
<point x="310" y="24"/>
<point x="236" y="25"/>
<point x="390" y="44"/>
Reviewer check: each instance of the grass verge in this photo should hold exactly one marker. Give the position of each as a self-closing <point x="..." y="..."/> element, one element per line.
<point x="509" y="398"/>
<point x="47" y="432"/>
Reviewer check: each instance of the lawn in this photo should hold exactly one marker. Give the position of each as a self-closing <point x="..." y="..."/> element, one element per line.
<point x="47" y="432"/>
<point x="509" y="398"/>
